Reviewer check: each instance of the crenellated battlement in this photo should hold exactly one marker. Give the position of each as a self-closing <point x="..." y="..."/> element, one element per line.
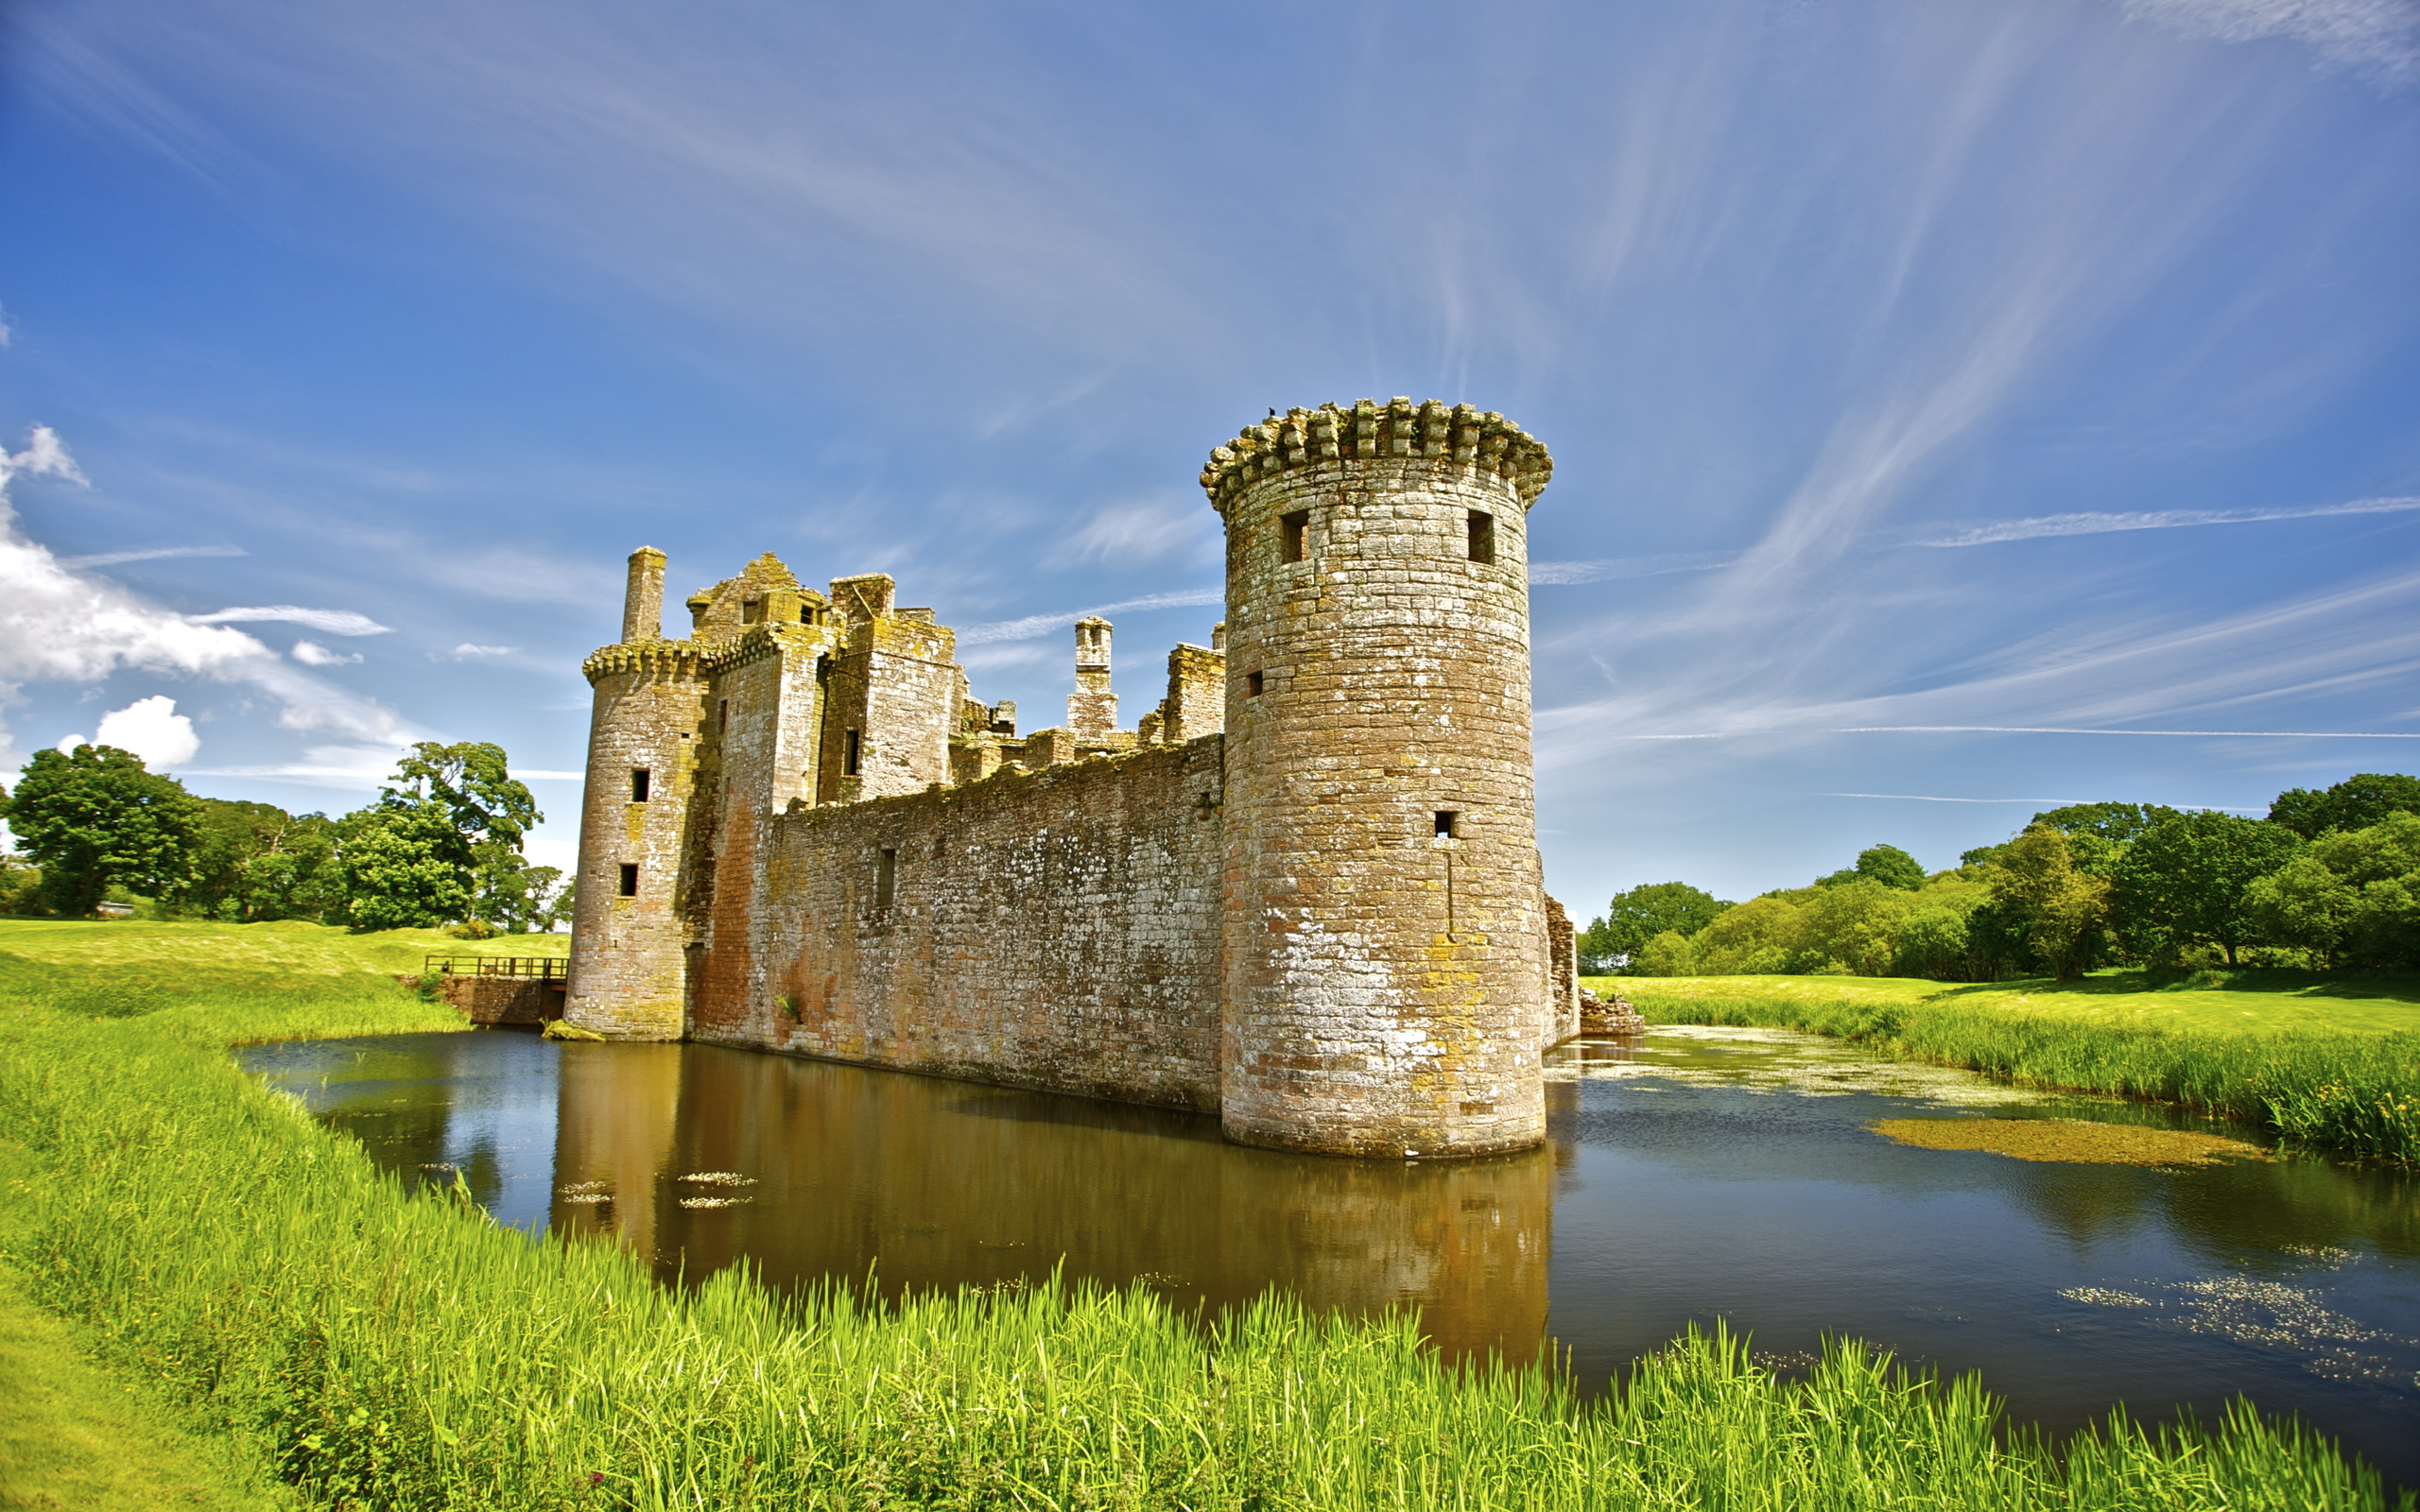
<point x="676" y="659"/>
<point x="1455" y="435"/>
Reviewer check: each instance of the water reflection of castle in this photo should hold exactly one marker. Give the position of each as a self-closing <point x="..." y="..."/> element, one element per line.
<point x="935" y="1184"/>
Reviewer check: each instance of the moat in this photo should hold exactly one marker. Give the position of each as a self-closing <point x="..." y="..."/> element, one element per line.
<point x="1698" y="1174"/>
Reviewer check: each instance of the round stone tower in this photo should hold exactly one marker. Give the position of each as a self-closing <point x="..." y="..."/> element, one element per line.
<point x="629" y="936"/>
<point x="1385" y="935"/>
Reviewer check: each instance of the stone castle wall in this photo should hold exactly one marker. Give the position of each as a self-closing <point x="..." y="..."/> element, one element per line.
<point x="1055" y="929"/>
<point x="1303" y="891"/>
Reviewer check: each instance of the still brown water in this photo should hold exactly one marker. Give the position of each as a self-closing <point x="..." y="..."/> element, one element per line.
<point x="1700" y="1174"/>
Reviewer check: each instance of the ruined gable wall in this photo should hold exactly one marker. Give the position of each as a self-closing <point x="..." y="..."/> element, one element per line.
<point x="1055" y="930"/>
<point x="760" y="755"/>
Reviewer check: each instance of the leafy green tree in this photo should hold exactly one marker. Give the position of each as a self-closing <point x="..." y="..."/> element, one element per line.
<point x="1644" y="912"/>
<point x="472" y="785"/>
<point x="299" y="875"/>
<point x="2058" y="909"/>
<point x="2183" y="882"/>
<point x="2117" y="823"/>
<point x="516" y="896"/>
<point x="2304" y="906"/>
<point x="555" y="913"/>
<point x="229" y="836"/>
<point x="444" y="838"/>
<point x="2353" y="898"/>
<point x="2356" y="803"/>
<point x="404" y="870"/>
<point x="1852" y="928"/>
<point x="1937" y="939"/>
<point x="1886" y="865"/>
<point x="1760" y="938"/>
<point x="1668" y="953"/>
<point x="20" y="887"/>
<point x="94" y="819"/>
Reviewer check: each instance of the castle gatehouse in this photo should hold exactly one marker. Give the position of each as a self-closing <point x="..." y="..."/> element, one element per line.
<point x="1303" y="892"/>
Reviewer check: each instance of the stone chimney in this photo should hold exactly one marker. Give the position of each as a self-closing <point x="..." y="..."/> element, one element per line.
<point x="1092" y="708"/>
<point x="643" y="602"/>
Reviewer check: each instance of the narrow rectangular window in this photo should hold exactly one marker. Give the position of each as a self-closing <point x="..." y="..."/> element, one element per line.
<point x="1293" y="527"/>
<point x="723" y="714"/>
<point x="1449" y="823"/>
<point x="1482" y="536"/>
<point x="638" y="784"/>
<point x="1251" y="684"/>
<point x="848" y="753"/>
<point x="629" y="879"/>
<point x="886" y="877"/>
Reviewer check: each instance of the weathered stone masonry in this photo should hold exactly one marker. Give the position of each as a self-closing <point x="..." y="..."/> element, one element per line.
<point x="1305" y="892"/>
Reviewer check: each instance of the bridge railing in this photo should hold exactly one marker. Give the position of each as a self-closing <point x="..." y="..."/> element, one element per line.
<point x="539" y="967"/>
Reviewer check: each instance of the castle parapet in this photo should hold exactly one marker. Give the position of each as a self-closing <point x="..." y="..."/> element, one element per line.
<point x="1459" y="437"/>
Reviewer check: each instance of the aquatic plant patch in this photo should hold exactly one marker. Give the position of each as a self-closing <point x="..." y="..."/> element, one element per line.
<point x="1778" y="1062"/>
<point x="2268" y="1312"/>
<point x="2070" y="1141"/>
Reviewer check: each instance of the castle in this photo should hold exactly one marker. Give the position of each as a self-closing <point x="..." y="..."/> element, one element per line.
<point x="1304" y="893"/>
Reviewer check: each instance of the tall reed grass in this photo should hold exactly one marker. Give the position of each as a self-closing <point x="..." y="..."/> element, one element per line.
<point x="2353" y="1094"/>
<point x="397" y="1351"/>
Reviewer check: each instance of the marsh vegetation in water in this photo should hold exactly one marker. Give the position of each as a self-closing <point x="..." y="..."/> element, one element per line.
<point x="1701" y="1173"/>
<point x="2073" y="1141"/>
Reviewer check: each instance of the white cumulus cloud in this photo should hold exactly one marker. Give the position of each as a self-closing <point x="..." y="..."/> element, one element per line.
<point x="150" y="728"/>
<point x="467" y="652"/>
<point x="312" y="654"/>
<point x="61" y="625"/>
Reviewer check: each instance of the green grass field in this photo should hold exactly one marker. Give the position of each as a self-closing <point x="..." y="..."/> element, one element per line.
<point x="129" y="968"/>
<point x="2333" y="1062"/>
<point x="2250" y="1003"/>
<point x="211" y="1244"/>
<point x="253" y="951"/>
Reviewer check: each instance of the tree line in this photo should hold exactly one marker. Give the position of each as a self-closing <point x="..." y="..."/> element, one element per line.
<point x="442" y="846"/>
<point x="2329" y="878"/>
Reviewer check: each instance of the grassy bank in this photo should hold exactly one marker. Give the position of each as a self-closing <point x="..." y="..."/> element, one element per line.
<point x="385" y="1349"/>
<point x="75" y="1432"/>
<point x="2334" y="1063"/>
<point x="238" y="955"/>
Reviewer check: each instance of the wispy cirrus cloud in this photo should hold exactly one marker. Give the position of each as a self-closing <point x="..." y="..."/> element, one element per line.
<point x="116" y="559"/>
<point x="1619" y="568"/>
<point x="2376" y="37"/>
<point x="2127" y="677"/>
<point x="326" y="621"/>
<point x="1142" y="531"/>
<point x="2095" y="524"/>
<point x="1034" y="625"/>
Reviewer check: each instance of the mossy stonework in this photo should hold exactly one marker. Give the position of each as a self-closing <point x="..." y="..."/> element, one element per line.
<point x="1303" y="891"/>
<point x="1386" y="950"/>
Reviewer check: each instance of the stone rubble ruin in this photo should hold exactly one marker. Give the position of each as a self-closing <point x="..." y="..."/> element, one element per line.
<point x="1303" y="892"/>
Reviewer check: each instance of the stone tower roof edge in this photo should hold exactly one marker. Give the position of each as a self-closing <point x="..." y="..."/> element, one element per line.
<point x="1371" y="431"/>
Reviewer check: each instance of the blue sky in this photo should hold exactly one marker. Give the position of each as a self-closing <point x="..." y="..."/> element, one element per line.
<point x="1958" y="408"/>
